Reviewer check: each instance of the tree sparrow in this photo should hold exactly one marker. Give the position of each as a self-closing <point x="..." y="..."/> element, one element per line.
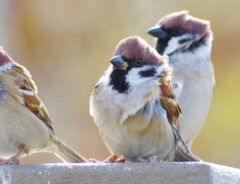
<point x="25" y="125"/>
<point x="187" y="41"/>
<point x="136" y="118"/>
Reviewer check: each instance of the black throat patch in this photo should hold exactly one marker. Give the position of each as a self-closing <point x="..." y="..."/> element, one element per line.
<point x="118" y="80"/>
<point x="162" y="44"/>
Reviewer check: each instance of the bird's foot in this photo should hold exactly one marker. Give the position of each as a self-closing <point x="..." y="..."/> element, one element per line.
<point x="3" y="162"/>
<point x="155" y="158"/>
<point x="110" y="159"/>
<point x="139" y="159"/>
<point x="10" y="161"/>
<point x="14" y="159"/>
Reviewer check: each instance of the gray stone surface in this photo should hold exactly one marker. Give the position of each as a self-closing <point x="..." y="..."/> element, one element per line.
<point x="122" y="173"/>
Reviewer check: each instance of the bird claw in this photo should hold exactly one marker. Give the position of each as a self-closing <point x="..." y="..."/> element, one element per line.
<point x="14" y="159"/>
<point x="10" y="161"/>
<point x="110" y="159"/>
<point x="92" y="160"/>
<point x="139" y="159"/>
<point x="155" y="159"/>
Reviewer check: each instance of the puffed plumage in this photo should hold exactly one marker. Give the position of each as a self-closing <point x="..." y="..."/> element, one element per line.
<point x="25" y="125"/>
<point x="130" y="108"/>
<point x="187" y="41"/>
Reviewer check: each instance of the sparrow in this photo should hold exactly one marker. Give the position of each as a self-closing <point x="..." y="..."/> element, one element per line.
<point x="25" y="125"/>
<point x="187" y="41"/>
<point x="132" y="104"/>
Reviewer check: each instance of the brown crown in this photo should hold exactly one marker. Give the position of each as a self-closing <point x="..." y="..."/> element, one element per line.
<point x="135" y="47"/>
<point x="188" y="23"/>
<point x="4" y="57"/>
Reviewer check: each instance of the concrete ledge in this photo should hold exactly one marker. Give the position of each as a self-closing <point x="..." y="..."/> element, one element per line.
<point x="122" y="173"/>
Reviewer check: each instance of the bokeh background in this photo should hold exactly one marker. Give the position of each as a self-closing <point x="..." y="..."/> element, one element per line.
<point x="66" y="44"/>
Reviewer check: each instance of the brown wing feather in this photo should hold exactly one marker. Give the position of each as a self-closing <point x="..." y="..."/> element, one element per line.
<point x="168" y="102"/>
<point x="26" y="77"/>
<point x="29" y="95"/>
<point x="172" y="108"/>
<point x="34" y="104"/>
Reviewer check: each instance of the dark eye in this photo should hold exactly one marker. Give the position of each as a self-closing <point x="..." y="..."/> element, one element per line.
<point x="177" y="31"/>
<point x="124" y="58"/>
<point x="138" y="63"/>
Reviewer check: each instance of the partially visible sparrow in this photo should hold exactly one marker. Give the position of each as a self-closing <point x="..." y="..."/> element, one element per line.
<point x="25" y="125"/>
<point x="136" y="118"/>
<point x="187" y="41"/>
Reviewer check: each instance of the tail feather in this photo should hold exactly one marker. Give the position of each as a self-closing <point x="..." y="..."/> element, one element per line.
<point x="66" y="154"/>
<point x="181" y="155"/>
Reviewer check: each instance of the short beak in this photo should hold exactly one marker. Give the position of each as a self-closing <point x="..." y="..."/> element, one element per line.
<point x="157" y="32"/>
<point x="119" y="63"/>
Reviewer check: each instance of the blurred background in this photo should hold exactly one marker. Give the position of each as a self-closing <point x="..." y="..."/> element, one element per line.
<point x="66" y="44"/>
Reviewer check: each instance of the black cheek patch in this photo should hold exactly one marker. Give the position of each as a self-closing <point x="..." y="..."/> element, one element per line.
<point x="118" y="81"/>
<point x="197" y="44"/>
<point x="184" y="40"/>
<point x="148" y="73"/>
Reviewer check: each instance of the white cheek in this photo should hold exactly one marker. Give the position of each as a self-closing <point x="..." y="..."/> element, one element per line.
<point x="133" y="77"/>
<point x="173" y="43"/>
<point x="172" y="46"/>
